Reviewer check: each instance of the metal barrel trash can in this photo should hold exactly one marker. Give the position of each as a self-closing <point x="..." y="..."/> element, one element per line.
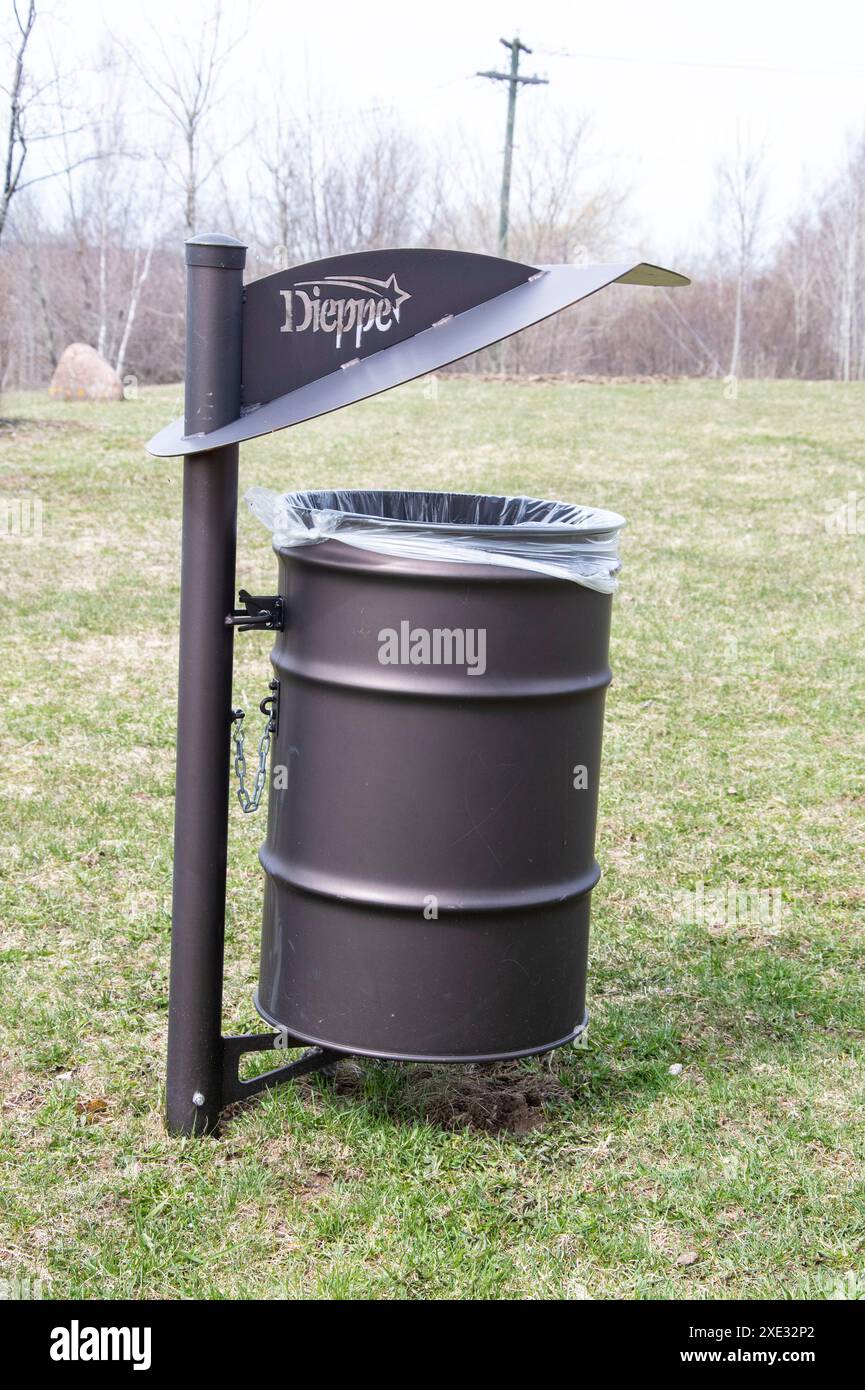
<point x="430" y="850"/>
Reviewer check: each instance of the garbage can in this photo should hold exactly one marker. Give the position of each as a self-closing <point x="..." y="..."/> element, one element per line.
<point x="429" y="857"/>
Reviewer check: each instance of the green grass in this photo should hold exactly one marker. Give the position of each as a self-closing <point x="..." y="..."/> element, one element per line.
<point x="733" y="755"/>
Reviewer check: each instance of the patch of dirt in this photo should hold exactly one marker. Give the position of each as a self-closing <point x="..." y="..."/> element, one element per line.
<point x="495" y="1098"/>
<point x="32" y="425"/>
<point x="564" y="378"/>
<point x="314" y="1184"/>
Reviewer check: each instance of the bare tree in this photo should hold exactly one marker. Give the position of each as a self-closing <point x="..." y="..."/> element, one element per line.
<point x="565" y="209"/>
<point x="16" y="138"/>
<point x="798" y="272"/>
<point x="37" y="115"/>
<point x="112" y="221"/>
<point x="368" y="196"/>
<point x="279" y="184"/>
<point x="842" y="248"/>
<point x="312" y="195"/>
<point x="740" y="200"/>
<point x="188" y="84"/>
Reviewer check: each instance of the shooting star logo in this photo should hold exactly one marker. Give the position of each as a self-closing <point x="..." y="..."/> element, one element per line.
<point x="342" y="304"/>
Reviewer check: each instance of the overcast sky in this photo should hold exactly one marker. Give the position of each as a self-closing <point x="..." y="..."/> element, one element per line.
<point x="668" y="85"/>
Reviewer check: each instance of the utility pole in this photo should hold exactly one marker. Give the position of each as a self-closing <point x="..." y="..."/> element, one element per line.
<point x="513" y="79"/>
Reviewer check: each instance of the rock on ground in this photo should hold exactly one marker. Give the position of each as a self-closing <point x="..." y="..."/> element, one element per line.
<point x="82" y="375"/>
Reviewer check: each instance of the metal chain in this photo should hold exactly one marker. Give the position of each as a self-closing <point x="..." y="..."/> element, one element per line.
<point x="250" y="801"/>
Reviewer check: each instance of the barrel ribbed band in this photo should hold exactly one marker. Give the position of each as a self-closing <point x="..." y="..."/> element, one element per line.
<point x="352" y="892"/>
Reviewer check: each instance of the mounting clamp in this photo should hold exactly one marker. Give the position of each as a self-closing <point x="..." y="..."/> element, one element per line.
<point x="266" y="611"/>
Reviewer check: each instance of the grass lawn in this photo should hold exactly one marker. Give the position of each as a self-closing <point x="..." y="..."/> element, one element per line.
<point x="709" y="1143"/>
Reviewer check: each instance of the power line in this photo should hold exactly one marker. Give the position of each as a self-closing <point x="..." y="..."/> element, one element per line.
<point x="701" y="63"/>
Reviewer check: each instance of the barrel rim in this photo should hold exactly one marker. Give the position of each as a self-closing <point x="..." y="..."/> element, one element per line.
<point x="598" y="521"/>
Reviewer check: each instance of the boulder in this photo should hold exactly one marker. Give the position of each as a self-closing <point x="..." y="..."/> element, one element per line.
<point x="82" y="375"/>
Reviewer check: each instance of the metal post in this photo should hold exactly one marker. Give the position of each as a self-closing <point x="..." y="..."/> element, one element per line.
<point x="214" y="306"/>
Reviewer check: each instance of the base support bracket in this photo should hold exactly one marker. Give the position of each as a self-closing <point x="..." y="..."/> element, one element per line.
<point x="234" y="1047"/>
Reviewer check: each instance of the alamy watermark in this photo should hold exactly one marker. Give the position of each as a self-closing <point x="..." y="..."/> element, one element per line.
<point x="846" y="1286"/>
<point x="24" y="1289"/>
<point x="77" y="1343"/>
<point x="437" y="646"/>
<point x="426" y="387"/>
<point x="21" y="518"/>
<point x="728" y="905"/>
<point x="846" y="516"/>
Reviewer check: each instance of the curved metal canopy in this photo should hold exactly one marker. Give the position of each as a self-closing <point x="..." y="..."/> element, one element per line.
<point x="546" y="290"/>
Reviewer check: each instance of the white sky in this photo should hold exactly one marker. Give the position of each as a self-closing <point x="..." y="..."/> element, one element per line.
<point x="668" y="85"/>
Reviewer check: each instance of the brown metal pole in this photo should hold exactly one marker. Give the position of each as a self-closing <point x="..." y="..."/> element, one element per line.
<point x="214" y="307"/>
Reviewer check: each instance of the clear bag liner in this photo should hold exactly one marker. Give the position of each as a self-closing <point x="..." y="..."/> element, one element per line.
<point x="555" y="538"/>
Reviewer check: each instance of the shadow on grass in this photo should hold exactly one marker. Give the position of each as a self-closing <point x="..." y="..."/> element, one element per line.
<point x="501" y="1098"/>
<point x="33" y="424"/>
<point x="626" y="1068"/>
<point x="721" y="1012"/>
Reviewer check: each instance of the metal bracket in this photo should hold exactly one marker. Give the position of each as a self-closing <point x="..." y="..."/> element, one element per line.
<point x="266" y="611"/>
<point x="233" y="1048"/>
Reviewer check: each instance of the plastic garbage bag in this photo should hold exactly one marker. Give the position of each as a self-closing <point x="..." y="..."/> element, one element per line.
<point x="555" y="538"/>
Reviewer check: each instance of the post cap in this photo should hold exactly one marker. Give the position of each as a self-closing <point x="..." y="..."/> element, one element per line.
<point x="215" y="249"/>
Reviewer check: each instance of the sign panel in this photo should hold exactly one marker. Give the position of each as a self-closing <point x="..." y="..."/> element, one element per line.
<point x="325" y="335"/>
<point x="303" y="323"/>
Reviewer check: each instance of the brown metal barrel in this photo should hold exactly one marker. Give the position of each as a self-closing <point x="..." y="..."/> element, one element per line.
<point x="429" y="859"/>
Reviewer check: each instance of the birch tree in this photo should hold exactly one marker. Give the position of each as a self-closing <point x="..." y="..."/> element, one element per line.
<point x="843" y="221"/>
<point x="740" y="202"/>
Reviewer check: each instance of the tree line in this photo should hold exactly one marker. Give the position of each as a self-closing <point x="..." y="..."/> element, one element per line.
<point x="96" y="201"/>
